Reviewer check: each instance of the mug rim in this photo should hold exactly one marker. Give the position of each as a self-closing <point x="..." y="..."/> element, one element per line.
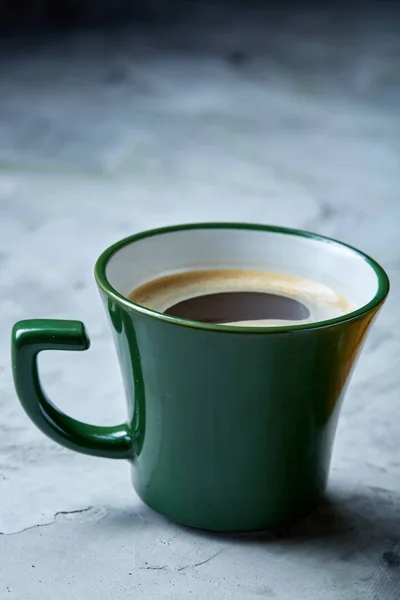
<point x="108" y="253"/>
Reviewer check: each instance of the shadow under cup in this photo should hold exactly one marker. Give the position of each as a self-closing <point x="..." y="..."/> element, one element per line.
<point x="229" y="428"/>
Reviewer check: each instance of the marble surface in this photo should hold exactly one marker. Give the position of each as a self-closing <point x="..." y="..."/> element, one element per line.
<point x="285" y="118"/>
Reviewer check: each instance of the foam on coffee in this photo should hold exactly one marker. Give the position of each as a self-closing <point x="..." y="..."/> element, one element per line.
<point x="241" y="297"/>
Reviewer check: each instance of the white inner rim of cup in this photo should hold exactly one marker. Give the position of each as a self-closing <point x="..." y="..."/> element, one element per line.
<point x="329" y="263"/>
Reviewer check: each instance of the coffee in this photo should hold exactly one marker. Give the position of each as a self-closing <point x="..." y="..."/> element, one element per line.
<point x="241" y="297"/>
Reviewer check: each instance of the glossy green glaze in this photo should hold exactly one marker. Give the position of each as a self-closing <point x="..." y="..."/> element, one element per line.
<point x="28" y="339"/>
<point x="228" y="429"/>
<point x="233" y="431"/>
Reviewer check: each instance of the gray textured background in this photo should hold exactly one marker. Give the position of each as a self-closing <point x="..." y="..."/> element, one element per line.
<point x="279" y="116"/>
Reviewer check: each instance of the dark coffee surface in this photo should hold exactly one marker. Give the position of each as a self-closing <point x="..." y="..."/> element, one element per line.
<point x="227" y="307"/>
<point x="242" y="297"/>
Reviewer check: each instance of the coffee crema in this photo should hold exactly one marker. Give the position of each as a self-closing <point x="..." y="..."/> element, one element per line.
<point x="241" y="297"/>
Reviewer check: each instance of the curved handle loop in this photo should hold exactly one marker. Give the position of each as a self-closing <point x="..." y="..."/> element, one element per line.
<point x="28" y="339"/>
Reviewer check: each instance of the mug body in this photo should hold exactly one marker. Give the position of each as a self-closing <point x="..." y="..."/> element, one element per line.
<point x="232" y="427"/>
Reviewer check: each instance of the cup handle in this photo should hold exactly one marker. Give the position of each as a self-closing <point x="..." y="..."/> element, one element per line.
<point x="28" y="339"/>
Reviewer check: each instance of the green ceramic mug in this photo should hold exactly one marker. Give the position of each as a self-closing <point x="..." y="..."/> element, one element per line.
<point x="228" y="428"/>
